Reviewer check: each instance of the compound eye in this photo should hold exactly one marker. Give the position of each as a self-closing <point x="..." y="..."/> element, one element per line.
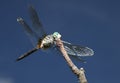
<point x="56" y="35"/>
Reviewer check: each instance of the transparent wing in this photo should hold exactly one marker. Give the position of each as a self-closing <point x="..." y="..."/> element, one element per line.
<point x="77" y="58"/>
<point x="32" y="35"/>
<point x="78" y="50"/>
<point x="70" y="52"/>
<point x="38" y="27"/>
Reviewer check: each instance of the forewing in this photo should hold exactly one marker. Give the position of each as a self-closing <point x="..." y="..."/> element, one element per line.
<point x="38" y="27"/>
<point x="78" y="50"/>
<point x="32" y="36"/>
<point x="70" y="52"/>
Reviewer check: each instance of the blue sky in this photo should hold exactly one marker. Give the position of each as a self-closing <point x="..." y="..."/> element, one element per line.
<point x="92" y="23"/>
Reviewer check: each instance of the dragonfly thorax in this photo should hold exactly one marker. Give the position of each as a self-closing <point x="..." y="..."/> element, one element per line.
<point x="47" y="41"/>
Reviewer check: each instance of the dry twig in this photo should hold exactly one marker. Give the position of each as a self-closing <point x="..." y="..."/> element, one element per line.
<point x="78" y="72"/>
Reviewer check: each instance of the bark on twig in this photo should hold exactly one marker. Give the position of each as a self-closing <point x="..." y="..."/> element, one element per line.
<point x="78" y="72"/>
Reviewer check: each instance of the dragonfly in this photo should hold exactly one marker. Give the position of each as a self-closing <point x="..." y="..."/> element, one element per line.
<point x="44" y="41"/>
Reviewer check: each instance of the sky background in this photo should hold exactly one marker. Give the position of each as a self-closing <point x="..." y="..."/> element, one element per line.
<point x="92" y="23"/>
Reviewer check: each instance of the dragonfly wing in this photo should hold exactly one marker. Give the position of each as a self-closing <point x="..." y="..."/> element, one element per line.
<point x="32" y="35"/>
<point x="83" y="51"/>
<point x="38" y="27"/>
<point x="78" y="50"/>
<point x="77" y="58"/>
<point x="70" y="52"/>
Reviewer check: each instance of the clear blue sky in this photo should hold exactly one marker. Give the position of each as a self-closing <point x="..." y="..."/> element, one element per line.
<point x="94" y="23"/>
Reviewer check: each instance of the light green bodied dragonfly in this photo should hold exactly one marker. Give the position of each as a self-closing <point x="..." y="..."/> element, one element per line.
<point x="44" y="41"/>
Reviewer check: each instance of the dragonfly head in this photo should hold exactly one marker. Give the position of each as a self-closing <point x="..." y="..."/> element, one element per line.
<point x="56" y="35"/>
